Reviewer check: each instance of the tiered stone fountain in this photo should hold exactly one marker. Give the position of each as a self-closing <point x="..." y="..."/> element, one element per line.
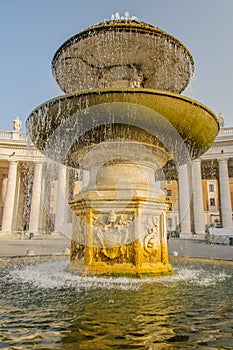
<point x="121" y="119"/>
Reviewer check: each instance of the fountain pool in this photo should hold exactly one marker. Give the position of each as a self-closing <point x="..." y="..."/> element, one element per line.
<point x="44" y="307"/>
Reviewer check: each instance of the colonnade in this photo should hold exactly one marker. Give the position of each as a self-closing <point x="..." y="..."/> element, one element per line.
<point x="190" y="192"/>
<point x="38" y="199"/>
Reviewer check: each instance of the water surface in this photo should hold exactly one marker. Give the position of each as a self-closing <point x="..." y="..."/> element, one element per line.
<point x="44" y="307"/>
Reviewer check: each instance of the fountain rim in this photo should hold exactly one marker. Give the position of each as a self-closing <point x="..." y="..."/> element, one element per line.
<point x="118" y="25"/>
<point x="162" y="103"/>
<point x="100" y="91"/>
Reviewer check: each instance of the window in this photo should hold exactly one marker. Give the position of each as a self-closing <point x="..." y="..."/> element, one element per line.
<point x="168" y="182"/>
<point x="169" y="222"/>
<point x="212" y="202"/>
<point x="169" y="192"/>
<point x="211" y="187"/>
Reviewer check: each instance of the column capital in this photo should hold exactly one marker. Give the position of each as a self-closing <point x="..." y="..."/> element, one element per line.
<point x="197" y="160"/>
<point x="3" y="176"/>
<point x="223" y="160"/>
<point x="12" y="161"/>
<point x="37" y="162"/>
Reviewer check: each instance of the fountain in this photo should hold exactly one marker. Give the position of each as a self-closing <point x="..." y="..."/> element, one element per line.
<point x="121" y="119"/>
<point x="120" y="134"/>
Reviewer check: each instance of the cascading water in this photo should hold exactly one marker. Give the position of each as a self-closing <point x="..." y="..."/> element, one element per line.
<point x="122" y="119"/>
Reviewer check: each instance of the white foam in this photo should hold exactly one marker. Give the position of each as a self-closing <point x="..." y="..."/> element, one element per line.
<point x="52" y="275"/>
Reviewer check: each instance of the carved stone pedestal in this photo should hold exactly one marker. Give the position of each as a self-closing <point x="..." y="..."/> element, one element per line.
<point x="119" y="224"/>
<point x="128" y="239"/>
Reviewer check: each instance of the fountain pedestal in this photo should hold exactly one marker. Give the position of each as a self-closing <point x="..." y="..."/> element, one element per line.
<point x="119" y="224"/>
<point x="130" y="239"/>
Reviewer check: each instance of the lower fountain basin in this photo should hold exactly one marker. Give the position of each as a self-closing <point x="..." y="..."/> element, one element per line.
<point x="44" y="306"/>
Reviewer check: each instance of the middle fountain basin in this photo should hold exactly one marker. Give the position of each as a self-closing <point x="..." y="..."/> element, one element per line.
<point x="175" y="120"/>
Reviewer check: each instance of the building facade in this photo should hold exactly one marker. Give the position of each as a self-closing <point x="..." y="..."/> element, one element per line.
<point x="200" y="193"/>
<point x="34" y="192"/>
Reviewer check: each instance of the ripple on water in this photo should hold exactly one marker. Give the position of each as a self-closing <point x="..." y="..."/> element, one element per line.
<point x="45" y="307"/>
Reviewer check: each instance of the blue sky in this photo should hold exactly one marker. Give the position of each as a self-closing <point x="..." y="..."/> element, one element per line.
<point x="32" y="30"/>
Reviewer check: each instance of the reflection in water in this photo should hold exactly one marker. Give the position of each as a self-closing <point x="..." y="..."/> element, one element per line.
<point x="44" y="307"/>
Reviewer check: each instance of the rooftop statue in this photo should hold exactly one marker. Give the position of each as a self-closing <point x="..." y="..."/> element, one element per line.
<point x="17" y="124"/>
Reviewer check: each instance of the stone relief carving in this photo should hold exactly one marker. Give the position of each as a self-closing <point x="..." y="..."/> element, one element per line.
<point x="79" y="238"/>
<point x="80" y="229"/>
<point x="111" y="230"/>
<point x="111" y="238"/>
<point x="130" y="73"/>
<point x="151" y="239"/>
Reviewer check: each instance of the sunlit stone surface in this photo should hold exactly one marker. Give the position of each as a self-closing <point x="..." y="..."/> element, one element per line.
<point x="121" y="120"/>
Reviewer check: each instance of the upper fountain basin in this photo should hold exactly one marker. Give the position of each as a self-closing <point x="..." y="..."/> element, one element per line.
<point x="182" y="126"/>
<point x="122" y="53"/>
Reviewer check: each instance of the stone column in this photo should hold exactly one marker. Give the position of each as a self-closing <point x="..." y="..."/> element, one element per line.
<point x="225" y="197"/>
<point x="36" y="199"/>
<point x="61" y="202"/>
<point x="85" y="178"/>
<point x="8" y="211"/>
<point x="1" y="181"/>
<point x="198" y="208"/>
<point x="184" y="201"/>
<point x="1" y="197"/>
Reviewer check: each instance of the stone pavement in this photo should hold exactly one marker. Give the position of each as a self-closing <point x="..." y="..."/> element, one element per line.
<point x="22" y="247"/>
<point x="199" y="249"/>
<point x="177" y="247"/>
